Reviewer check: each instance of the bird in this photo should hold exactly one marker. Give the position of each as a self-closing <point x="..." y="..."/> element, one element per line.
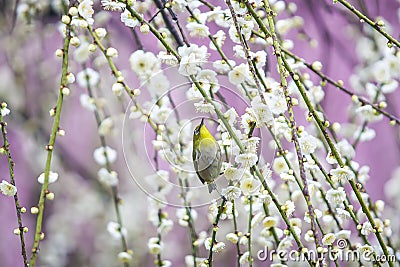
<point x="206" y="155"/>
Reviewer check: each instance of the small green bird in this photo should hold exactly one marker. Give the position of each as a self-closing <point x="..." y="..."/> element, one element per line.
<point x="206" y="156"/>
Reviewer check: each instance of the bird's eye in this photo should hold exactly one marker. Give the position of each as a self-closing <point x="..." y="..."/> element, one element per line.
<point x="196" y="131"/>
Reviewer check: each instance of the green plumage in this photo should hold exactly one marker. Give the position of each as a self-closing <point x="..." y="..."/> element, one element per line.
<point x="206" y="156"/>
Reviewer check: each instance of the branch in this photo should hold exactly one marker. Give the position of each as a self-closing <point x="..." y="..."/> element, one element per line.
<point x="50" y="147"/>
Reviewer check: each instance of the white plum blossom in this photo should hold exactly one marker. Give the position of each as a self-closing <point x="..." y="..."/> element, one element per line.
<point x="261" y="112"/>
<point x="167" y="58"/>
<point x="112" y="5"/>
<point x="231" y="192"/>
<point x="87" y="102"/>
<point x="115" y="230"/>
<point x="239" y="7"/>
<point x="222" y="66"/>
<point x="381" y="71"/>
<point x="239" y="74"/>
<point x="204" y="107"/>
<point x="277" y="103"/>
<point x="200" y="53"/>
<point x="343" y="234"/>
<point x="308" y="144"/>
<point x="101" y="32"/>
<point x="158" y="84"/>
<point x="222" y="18"/>
<point x="341" y="175"/>
<point x="328" y="239"/>
<point x="285" y="243"/>
<point x="189" y="65"/>
<point x="102" y="155"/>
<point x="279" y="165"/>
<point x="197" y="30"/>
<point x="336" y="196"/>
<point x="155" y="246"/>
<point x="250" y="186"/>
<point x="366" y="135"/>
<point x="289" y="208"/>
<point x="284" y="25"/>
<point x="363" y="174"/>
<point x="88" y="76"/>
<point x="346" y="149"/>
<point x="183" y="217"/>
<point x="366" y="228"/>
<point x="82" y="53"/>
<point x="260" y="58"/>
<point x="4" y="111"/>
<point x="165" y="226"/>
<point x="390" y="87"/>
<point x="86" y="11"/>
<point x="219" y="38"/>
<point x="247" y="159"/>
<point x="106" y="126"/>
<point x="233" y="174"/>
<point x="366" y="251"/>
<point x="246" y="26"/>
<point x="124" y="256"/>
<point x="53" y="177"/>
<point x="330" y="157"/>
<point x="239" y="51"/>
<point x="144" y="64"/>
<point x="317" y="94"/>
<point x="244" y="259"/>
<point x="246" y="121"/>
<point x="217" y="247"/>
<point x="368" y="114"/>
<point x="208" y="80"/>
<point x="343" y="214"/>
<point x="287" y="177"/>
<point x="232" y="237"/>
<point x="317" y="214"/>
<point x="7" y="189"/>
<point x="251" y="144"/>
<point x="269" y="222"/>
<point x="192" y="58"/>
<point x="231" y="116"/>
<point x="160" y="181"/>
<point x="107" y="178"/>
<point x="129" y="20"/>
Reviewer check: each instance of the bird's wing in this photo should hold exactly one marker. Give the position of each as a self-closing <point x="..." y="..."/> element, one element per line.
<point x="207" y="156"/>
<point x="219" y="158"/>
<point x="196" y="158"/>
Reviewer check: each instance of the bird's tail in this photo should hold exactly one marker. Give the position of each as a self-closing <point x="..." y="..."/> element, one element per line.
<point x="211" y="187"/>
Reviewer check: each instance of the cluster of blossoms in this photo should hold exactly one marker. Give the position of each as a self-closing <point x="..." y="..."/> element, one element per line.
<point x="291" y="180"/>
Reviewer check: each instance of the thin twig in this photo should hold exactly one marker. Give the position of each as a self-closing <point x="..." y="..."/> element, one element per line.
<point x="6" y="146"/>
<point x="375" y="25"/>
<point x="282" y="73"/>
<point x="114" y="189"/>
<point x="50" y="146"/>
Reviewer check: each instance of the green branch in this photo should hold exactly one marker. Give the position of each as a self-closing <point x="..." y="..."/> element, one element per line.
<point x="353" y="185"/>
<point x="283" y="73"/>
<point x="50" y="147"/>
<point x="375" y="25"/>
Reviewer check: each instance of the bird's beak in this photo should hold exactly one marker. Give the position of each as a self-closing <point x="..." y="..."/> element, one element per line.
<point x="202" y="122"/>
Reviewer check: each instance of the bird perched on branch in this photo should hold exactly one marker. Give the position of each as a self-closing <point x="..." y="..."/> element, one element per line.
<point x="206" y="156"/>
